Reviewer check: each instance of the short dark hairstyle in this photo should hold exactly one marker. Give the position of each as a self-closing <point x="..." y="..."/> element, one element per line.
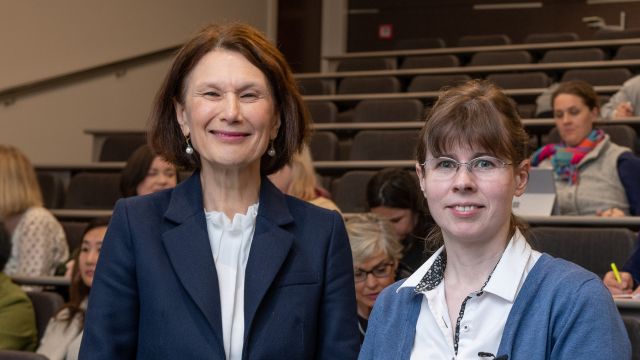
<point x="5" y="246"/>
<point x="166" y="137"/>
<point x="581" y="89"/>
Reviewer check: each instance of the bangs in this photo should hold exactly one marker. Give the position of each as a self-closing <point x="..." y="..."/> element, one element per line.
<point x="472" y="125"/>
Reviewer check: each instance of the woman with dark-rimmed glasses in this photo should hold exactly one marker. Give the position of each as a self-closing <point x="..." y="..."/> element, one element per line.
<point x="376" y="253"/>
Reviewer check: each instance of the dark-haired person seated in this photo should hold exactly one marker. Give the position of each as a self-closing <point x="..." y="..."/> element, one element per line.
<point x="594" y="176"/>
<point x="63" y="335"/>
<point x="629" y="276"/>
<point x="17" y="319"/>
<point x="146" y="173"/>
<point x="394" y="194"/>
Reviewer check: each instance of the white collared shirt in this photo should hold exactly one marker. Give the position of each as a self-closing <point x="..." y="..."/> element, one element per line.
<point x="230" y="245"/>
<point x="485" y="313"/>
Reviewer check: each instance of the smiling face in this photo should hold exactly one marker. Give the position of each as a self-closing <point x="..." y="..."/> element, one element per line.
<point x="89" y="252"/>
<point x="472" y="209"/>
<point x="573" y="118"/>
<point x="161" y="175"/>
<point x="228" y="111"/>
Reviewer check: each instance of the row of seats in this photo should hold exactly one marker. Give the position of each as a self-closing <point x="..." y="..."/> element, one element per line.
<point x="100" y="190"/>
<point x="391" y="84"/>
<point x="626" y="52"/>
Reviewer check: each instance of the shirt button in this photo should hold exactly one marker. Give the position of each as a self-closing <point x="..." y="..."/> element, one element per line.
<point x="466" y="328"/>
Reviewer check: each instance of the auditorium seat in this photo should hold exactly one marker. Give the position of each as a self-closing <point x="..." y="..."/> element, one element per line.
<point x="45" y="305"/>
<point x="316" y="86"/>
<point x="349" y="191"/>
<point x="599" y="77"/>
<point x="527" y="80"/>
<point x="551" y="37"/>
<point x="573" y="55"/>
<point x="606" y="34"/>
<point x="623" y="135"/>
<point x="420" y="43"/>
<point x="120" y="147"/>
<point x="73" y="231"/>
<point x="500" y="58"/>
<point x="20" y="355"/>
<point x="628" y="52"/>
<point x="632" y="324"/>
<point x="363" y="64"/>
<point x="484" y="40"/>
<point x="430" y="61"/>
<point x="592" y="248"/>
<point x="324" y="146"/>
<point x="384" y="145"/>
<point x="52" y="188"/>
<point x="388" y="110"/>
<point x="369" y="85"/>
<point x="322" y="111"/>
<point x="93" y="190"/>
<point x="435" y="82"/>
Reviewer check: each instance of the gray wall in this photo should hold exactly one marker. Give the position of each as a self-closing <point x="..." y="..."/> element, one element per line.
<point x="44" y="39"/>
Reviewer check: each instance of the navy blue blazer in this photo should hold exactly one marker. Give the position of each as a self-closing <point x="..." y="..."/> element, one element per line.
<point x="155" y="293"/>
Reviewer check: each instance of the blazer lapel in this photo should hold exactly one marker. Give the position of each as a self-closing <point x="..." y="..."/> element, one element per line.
<point x="189" y="251"/>
<point x="269" y="249"/>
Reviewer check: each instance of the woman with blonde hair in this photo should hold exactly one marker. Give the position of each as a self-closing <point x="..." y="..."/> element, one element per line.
<point x="299" y="179"/>
<point x="376" y="251"/>
<point x="38" y="240"/>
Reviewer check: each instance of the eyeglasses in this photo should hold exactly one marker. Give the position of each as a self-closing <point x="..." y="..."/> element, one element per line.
<point x="483" y="167"/>
<point x="380" y="271"/>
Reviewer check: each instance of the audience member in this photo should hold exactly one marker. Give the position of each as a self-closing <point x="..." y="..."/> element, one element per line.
<point x="376" y="251"/>
<point x="299" y="179"/>
<point x="17" y="319"/>
<point x="593" y="175"/>
<point x="146" y="173"/>
<point x="62" y="337"/>
<point x="224" y="266"/>
<point x="629" y="276"/>
<point x="38" y="240"/>
<point x="625" y="103"/>
<point x="485" y="292"/>
<point x="395" y="194"/>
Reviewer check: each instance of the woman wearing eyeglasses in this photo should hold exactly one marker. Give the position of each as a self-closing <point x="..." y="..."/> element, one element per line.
<point x="376" y="252"/>
<point x="485" y="293"/>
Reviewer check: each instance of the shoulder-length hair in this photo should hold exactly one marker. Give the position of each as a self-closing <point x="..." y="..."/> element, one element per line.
<point x="166" y="137"/>
<point x="19" y="188"/>
<point x="304" y="182"/>
<point x="474" y="115"/>
<point x="78" y="290"/>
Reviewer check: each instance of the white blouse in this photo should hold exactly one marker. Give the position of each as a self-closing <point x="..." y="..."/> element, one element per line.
<point x="484" y="313"/>
<point x="230" y="245"/>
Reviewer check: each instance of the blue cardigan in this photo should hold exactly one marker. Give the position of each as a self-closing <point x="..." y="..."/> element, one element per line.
<point x="561" y="312"/>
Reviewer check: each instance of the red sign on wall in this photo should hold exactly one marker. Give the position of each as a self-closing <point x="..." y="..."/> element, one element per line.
<point x="385" y="31"/>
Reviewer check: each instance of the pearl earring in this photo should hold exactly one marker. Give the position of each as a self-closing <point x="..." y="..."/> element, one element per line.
<point x="272" y="151"/>
<point x="189" y="148"/>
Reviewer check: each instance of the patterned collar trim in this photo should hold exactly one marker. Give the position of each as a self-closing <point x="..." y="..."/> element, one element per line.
<point x="434" y="275"/>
